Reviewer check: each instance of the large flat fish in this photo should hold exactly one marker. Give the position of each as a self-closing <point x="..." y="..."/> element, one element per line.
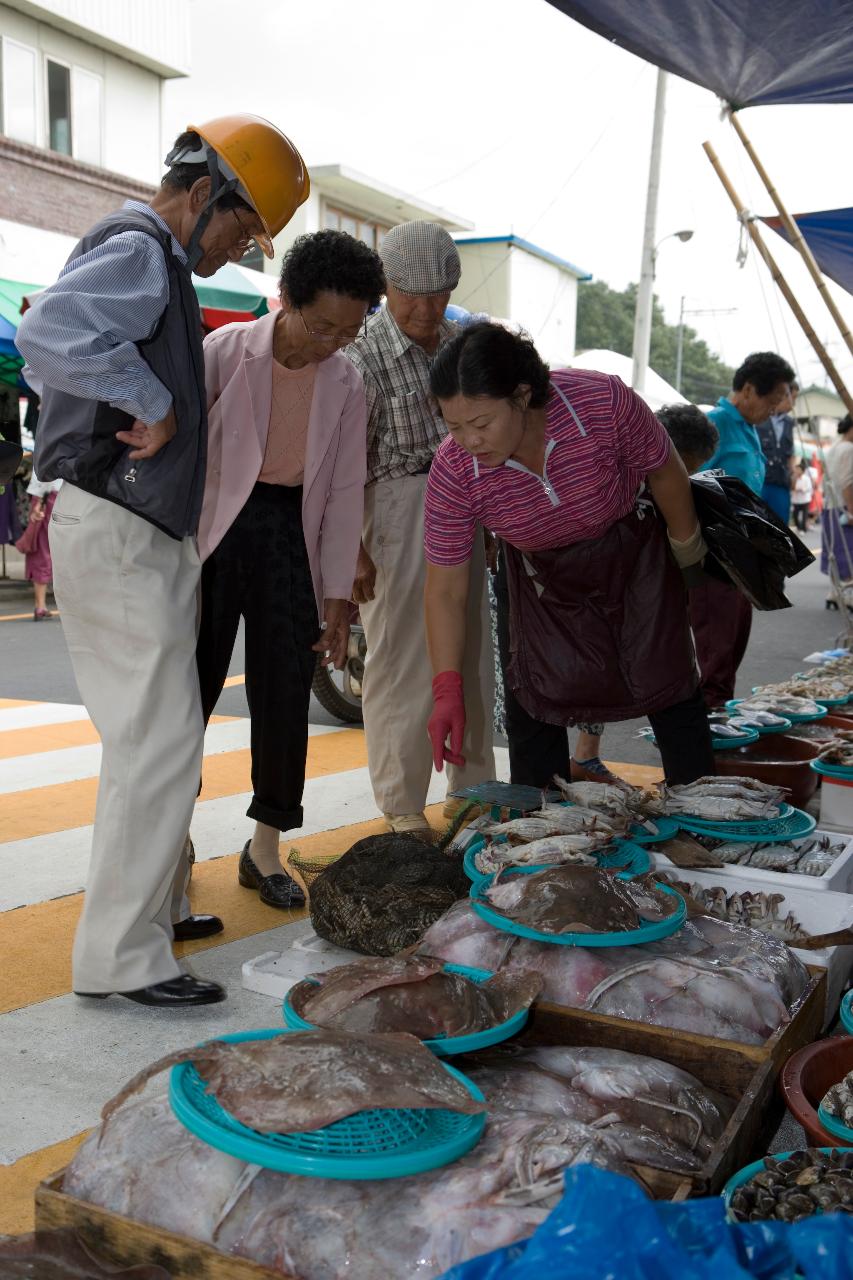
<point x="308" y="1079"/>
<point x="428" y="1004"/>
<point x="576" y="899"/>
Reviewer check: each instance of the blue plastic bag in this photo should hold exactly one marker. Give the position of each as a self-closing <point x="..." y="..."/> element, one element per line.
<point x="606" y="1228"/>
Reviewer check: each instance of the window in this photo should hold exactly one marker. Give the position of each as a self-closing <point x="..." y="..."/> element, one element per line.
<point x="86" y="116"/>
<point x="19" y="91"/>
<point x="59" y="107"/>
<point x="366" y="229"/>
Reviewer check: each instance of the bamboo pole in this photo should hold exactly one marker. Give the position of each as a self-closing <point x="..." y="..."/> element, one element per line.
<point x="798" y="240"/>
<point x="780" y="281"/>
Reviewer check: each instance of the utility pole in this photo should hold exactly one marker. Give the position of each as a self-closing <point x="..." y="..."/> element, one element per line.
<point x="643" y="312"/>
<point x="699" y="311"/>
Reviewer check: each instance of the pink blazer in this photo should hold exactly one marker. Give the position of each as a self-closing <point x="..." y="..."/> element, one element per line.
<point x="238" y="373"/>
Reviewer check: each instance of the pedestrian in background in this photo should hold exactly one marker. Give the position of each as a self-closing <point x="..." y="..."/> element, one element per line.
<point x="801" y="497"/>
<point x="35" y="543"/>
<point x="836" y="553"/>
<point x="720" y="615"/>
<point x="404" y="430"/>
<point x="776" y="434"/>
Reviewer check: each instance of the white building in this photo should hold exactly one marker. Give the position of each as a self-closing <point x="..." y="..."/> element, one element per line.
<point x="344" y="200"/>
<point x="511" y="278"/>
<point x="80" y="117"/>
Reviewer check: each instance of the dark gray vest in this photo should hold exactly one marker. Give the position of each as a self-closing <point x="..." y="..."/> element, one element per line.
<point x="76" y="437"/>
<point x="777" y="452"/>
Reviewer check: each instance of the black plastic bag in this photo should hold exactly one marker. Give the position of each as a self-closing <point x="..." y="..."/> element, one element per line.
<point x="749" y="545"/>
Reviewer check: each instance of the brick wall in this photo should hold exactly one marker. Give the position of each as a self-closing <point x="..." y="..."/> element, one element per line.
<point x="43" y="189"/>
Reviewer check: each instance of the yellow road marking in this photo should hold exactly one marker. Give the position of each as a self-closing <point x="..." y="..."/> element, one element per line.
<point x="5" y="703"/>
<point x="62" y="806"/>
<point x="18" y="1182"/>
<point x="234" y="680"/>
<point x="56" y="737"/>
<point x="16" y="617"/>
<point x="35" y="941"/>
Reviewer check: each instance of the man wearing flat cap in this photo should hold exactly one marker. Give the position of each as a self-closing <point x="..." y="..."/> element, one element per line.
<point x="404" y="429"/>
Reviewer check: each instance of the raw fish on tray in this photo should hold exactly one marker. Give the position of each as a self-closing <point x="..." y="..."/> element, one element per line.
<point x="411" y="993"/>
<point x="575" y="899"/>
<point x="552" y="820"/>
<point x="659" y="1114"/>
<point x="718" y="962"/>
<point x="578" y="850"/>
<point x="308" y="1079"/>
<point x="761" y="911"/>
<point x="144" y="1164"/>
<point x="730" y="799"/>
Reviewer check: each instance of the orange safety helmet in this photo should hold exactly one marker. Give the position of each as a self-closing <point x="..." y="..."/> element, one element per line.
<point x="263" y="166"/>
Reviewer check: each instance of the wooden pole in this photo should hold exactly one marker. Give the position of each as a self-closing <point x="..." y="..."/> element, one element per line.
<point x="780" y="281"/>
<point x="797" y="238"/>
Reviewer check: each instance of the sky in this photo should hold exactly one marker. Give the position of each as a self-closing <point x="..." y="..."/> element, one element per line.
<point x="515" y="117"/>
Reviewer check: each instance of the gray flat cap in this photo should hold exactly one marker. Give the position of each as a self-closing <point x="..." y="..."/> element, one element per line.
<point x="420" y="257"/>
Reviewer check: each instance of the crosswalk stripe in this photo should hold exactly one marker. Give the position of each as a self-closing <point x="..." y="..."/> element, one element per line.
<point x="36" y="811"/>
<point x="25" y="715"/>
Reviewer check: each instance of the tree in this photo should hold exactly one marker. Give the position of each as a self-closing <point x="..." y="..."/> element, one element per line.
<point x="606" y="319"/>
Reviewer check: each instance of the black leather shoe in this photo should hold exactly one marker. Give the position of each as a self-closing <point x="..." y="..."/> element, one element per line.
<point x="279" y="890"/>
<point x="177" y="993"/>
<point x="197" y="927"/>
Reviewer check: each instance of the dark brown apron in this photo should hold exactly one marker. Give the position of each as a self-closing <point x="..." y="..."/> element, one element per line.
<point x="599" y="629"/>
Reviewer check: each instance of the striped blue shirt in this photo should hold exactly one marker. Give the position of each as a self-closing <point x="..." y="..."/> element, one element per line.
<point x="80" y="335"/>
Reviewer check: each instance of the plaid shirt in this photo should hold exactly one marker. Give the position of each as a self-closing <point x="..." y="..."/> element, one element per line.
<point x="403" y="430"/>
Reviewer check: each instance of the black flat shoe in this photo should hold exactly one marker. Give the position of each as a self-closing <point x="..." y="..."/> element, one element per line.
<point x="197" y="927"/>
<point x="177" y="993"/>
<point x="279" y="890"/>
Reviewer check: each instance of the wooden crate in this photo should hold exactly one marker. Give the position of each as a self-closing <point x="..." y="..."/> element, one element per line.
<point x="745" y="1073"/>
<point x="123" y="1241"/>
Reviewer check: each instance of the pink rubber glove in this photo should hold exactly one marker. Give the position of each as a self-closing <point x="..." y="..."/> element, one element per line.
<point x="448" y="718"/>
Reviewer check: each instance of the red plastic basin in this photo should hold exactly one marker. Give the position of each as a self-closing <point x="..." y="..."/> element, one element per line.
<point x="778" y="759"/>
<point x="805" y="1079"/>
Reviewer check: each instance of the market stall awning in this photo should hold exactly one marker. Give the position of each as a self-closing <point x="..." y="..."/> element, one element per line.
<point x="829" y="235"/>
<point x="235" y="293"/>
<point x="657" y="393"/>
<point x="755" y="54"/>
<point x="12" y="293"/>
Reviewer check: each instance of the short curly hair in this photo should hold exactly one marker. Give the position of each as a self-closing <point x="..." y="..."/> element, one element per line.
<point x="763" y="370"/>
<point x="333" y="261"/>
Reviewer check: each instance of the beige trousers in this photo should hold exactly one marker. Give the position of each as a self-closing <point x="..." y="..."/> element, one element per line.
<point x="127" y="596"/>
<point x="397" y="691"/>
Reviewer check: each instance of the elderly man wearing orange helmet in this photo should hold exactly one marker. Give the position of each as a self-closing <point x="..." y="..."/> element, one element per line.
<point x="114" y="348"/>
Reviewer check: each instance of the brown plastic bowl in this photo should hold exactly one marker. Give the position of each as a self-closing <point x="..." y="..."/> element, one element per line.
<point x="777" y="759"/>
<point x="805" y="1079"/>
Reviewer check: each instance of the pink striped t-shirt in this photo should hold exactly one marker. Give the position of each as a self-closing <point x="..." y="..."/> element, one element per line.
<point x="594" y="466"/>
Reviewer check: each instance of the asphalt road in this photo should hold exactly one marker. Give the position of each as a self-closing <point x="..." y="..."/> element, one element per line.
<point x="34" y="662"/>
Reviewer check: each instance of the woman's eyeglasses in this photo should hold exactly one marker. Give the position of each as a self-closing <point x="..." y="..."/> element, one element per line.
<point x="334" y="339"/>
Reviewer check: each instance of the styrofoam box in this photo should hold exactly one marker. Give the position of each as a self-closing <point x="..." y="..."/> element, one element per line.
<point x="817" y="911"/>
<point x="836" y="803"/>
<point x="838" y="878"/>
<point x="275" y="972"/>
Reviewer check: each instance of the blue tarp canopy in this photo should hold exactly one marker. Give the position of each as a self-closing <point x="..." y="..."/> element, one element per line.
<point x="829" y="235"/>
<point x="749" y="52"/>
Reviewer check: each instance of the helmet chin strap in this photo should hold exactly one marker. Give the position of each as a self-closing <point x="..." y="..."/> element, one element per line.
<point x="219" y="187"/>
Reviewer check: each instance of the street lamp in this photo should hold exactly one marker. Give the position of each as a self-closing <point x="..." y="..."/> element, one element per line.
<point x="683" y="236"/>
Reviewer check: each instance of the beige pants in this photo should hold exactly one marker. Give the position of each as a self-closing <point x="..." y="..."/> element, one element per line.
<point x="127" y="595"/>
<point x="397" y="691"/>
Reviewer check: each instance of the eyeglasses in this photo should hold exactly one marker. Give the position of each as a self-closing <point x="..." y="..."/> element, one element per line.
<point x="246" y="244"/>
<point x="334" y="339"/>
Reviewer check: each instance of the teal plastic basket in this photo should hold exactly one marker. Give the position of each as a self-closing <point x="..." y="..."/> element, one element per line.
<point x="650" y="932"/>
<point x="730" y="744"/>
<point x="382" y="1143"/>
<point x="793" y="716"/>
<point x="749" y="1172"/>
<point x="840" y="771"/>
<point x="441" y="1046"/>
<point x="846" y="1012"/>
<point x="625" y="855"/>
<point x="836" y="1127"/>
<point x="792" y="824"/>
<point x="666" y="829"/>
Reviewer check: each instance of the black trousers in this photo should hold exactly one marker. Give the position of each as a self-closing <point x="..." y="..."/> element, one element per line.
<point x="538" y="750"/>
<point x="801" y="515"/>
<point x="260" y="571"/>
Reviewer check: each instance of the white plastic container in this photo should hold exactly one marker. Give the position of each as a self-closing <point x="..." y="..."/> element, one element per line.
<point x="816" y="910"/>
<point x="836" y="803"/>
<point x="838" y="878"/>
<point x="275" y="972"/>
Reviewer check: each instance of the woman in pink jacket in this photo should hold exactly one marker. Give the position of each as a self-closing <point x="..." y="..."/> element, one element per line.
<point x="282" y="515"/>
